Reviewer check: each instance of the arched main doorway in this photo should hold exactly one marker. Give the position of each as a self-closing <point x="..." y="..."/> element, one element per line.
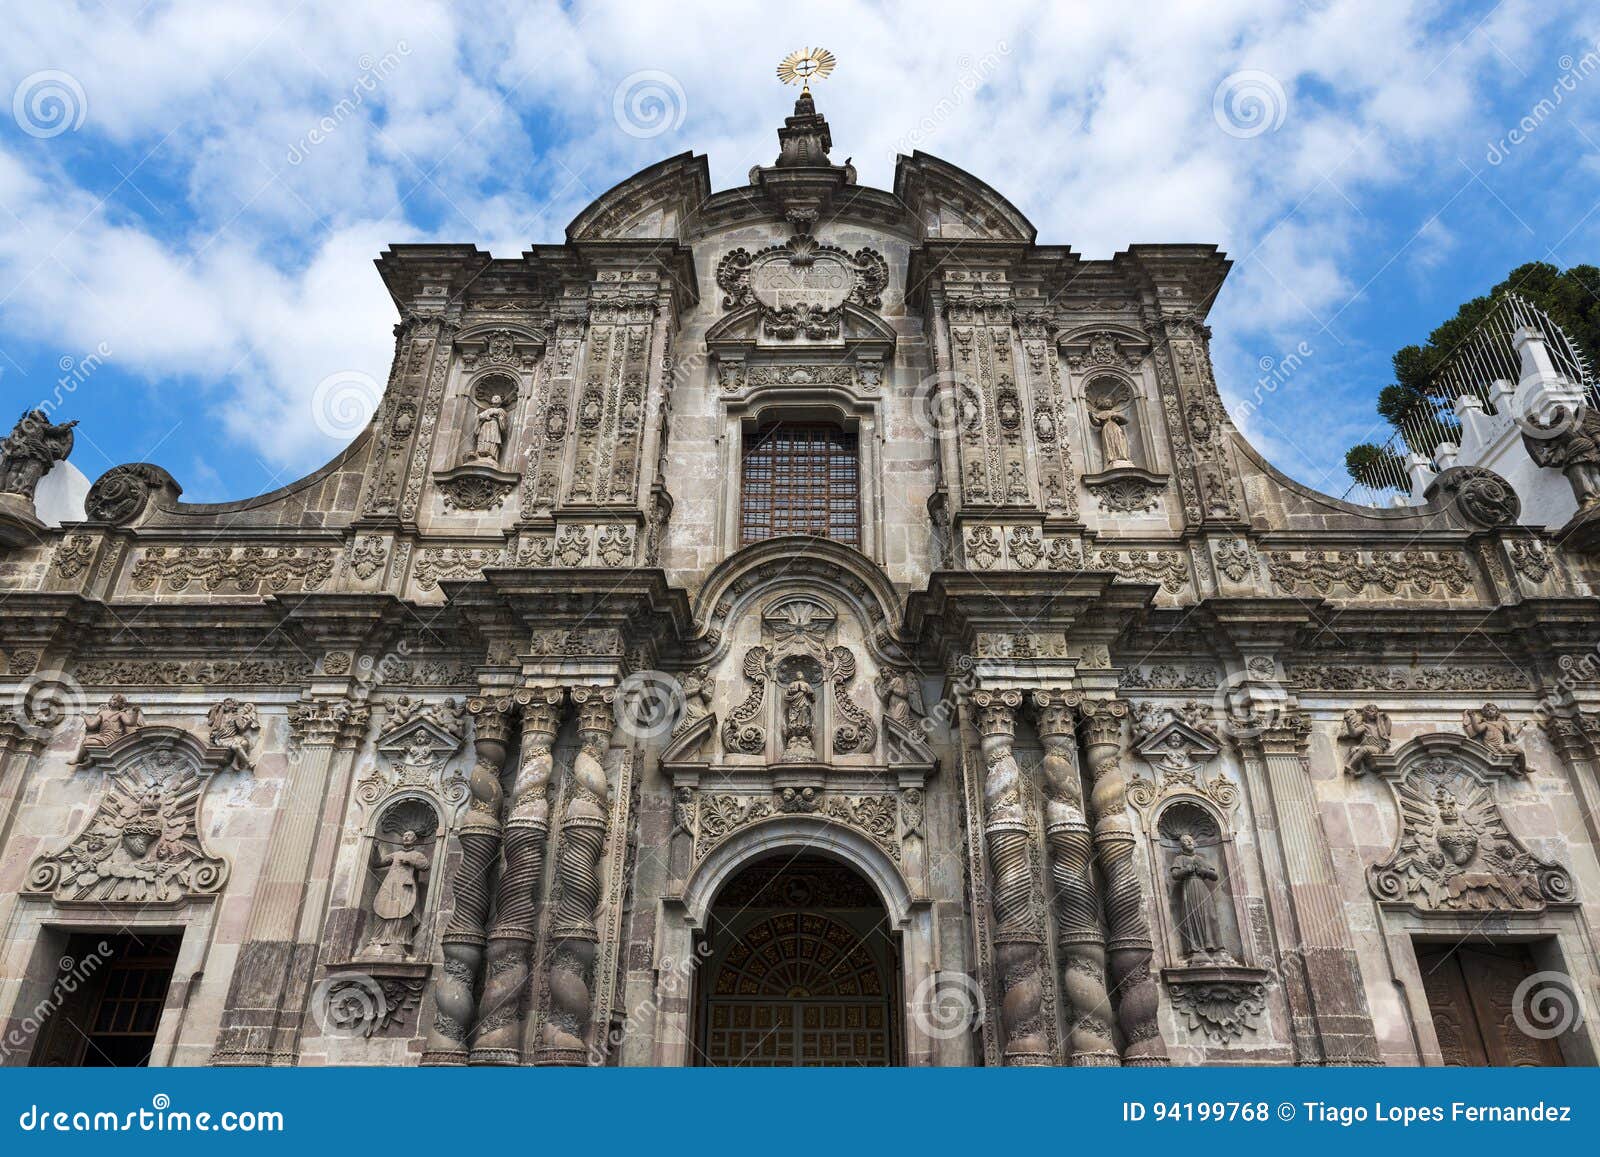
<point x="803" y="969"/>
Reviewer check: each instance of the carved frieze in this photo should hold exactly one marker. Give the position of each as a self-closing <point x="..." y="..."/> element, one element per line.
<point x="1389" y="571"/>
<point x="241" y="570"/>
<point x="721" y="814"/>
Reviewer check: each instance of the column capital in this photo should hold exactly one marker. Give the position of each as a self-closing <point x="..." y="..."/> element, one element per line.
<point x="329" y="722"/>
<point x="1054" y="710"/>
<point x="541" y="709"/>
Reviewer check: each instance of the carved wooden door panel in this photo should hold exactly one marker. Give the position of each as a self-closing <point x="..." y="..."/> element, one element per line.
<point x="1471" y="994"/>
<point x="798" y="988"/>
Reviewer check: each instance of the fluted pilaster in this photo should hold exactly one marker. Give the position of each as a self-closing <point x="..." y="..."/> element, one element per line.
<point x="1132" y="985"/>
<point x="455" y="1010"/>
<point x="1080" y="936"/>
<point x="583" y="838"/>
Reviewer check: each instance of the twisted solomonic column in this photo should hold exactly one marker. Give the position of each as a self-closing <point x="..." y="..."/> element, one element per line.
<point x="1017" y="937"/>
<point x="583" y="839"/>
<point x="463" y="940"/>
<point x="497" y="1039"/>
<point x="1079" y="935"/>
<point x="1138" y="1001"/>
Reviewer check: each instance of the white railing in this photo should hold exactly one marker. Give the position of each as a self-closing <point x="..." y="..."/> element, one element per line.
<point x="1490" y="356"/>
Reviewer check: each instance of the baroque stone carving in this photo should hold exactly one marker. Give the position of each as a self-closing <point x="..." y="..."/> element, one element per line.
<point x="1388" y="570"/>
<point x="801" y="287"/>
<point x="1569" y="443"/>
<point x="241" y="569"/>
<point x="417" y="740"/>
<point x="113" y="720"/>
<point x="1462" y="677"/>
<point x="1223" y="1008"/>
<point x="1481" y="496"/>
<point x="742" y="732"/>
<point x="1366" y="730"/>
<point x="142" y="846"/>
<point x="1491" y="726"/>
<point x="34" y="445"/>
<point x="1454" y="851"/>
<point x="121" y="494"/>
<point x="233" y="726"/>
<point x="396" y="907"/>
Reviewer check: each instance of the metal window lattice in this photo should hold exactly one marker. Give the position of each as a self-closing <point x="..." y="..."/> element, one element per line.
<point x="801" y="479"/>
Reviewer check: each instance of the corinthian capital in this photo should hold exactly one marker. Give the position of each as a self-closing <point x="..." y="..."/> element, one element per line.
<point x="329" y="723"/>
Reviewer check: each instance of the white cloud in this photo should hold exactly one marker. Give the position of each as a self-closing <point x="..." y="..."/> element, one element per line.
<point x="1096" y="122"/>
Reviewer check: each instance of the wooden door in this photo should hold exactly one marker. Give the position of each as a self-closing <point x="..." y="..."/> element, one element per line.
<point x="1471" y="994"/>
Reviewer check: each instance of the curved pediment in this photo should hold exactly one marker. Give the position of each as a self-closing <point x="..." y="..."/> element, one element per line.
<point x="952" y="204"/>
<point x="761" y="570"/>
<point x="654" y="202"/>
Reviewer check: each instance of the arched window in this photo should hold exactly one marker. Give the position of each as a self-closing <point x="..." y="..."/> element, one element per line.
<point x="800" y="478"/>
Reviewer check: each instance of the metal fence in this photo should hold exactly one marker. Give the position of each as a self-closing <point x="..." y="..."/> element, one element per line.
<point x="1488" y="355"/>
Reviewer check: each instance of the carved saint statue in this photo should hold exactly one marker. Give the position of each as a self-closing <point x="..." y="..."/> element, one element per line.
<point x="395" y="905"/>
<point x="33" y="446"/>
<point x="116" y="718"/>
<point x="491" y="432"/>
<point x="232" y="724"/>
<point x="1367" y="730"/>
<point x="1196" y="906"/>
<point x="1109" y="414"/>
<point x="1571" y="446"/>
<point x="1491" y="727"/>
<point x="799" y="743"/>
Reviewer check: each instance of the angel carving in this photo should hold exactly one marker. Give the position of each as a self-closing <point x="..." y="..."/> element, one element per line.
<point x="1492" y="727"/>
<point x="901" y="694"/>
<point x="116" y="718"/>
<point x="233" y="725"/>
<point x="1366" y="730"/>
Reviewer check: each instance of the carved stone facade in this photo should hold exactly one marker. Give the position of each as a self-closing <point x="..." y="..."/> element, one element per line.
<point x="1134" y="751"/>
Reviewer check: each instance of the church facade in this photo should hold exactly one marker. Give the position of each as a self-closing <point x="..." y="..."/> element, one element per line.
<point x="795" y="624"/>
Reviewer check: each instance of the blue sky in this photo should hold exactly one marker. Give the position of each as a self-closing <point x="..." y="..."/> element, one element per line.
<point x="191" y="196"/>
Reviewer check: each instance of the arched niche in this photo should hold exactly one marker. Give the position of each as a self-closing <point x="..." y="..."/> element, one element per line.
<point x="402" y="849"/>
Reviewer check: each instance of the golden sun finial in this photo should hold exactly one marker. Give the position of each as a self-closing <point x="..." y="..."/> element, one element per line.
<point x="805" y="65"/>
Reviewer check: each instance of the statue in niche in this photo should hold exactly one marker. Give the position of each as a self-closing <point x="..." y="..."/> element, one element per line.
<point x="799" y="719"/>
<point x="116" y="718"/>
<point x="1195" y="904"/>
<point x="34" y="445"/>
<point x="491" y="432"/>
<point x="1109" y="403"/>
<point x="395" y="905"/>
<point x="1491" y="727"/>
<point x="1570" y="444"/>
<point x="1367" y="730"/>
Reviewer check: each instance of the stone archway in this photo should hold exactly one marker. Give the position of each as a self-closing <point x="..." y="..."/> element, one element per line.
<point x="802" y="969"/>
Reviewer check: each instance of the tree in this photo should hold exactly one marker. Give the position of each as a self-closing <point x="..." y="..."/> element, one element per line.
<point x="1571" y="297"/>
